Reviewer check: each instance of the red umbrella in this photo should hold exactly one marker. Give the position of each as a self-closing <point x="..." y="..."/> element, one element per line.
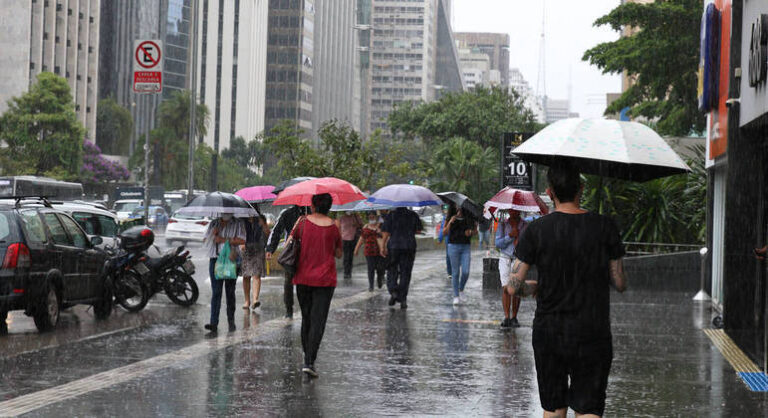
<point x="258" y="194"/>
<point x="514" y="199"/>
<point x="301" y="193"/>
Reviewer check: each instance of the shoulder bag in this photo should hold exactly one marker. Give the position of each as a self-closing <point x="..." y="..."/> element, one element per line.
<point x="289" y="257"/>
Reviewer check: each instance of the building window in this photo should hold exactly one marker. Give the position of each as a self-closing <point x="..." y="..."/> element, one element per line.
<point x="58" y="7"/>
<point x="78" y="77"/>
<point x="45" y="68"/>
<point x="45" y="35"/>
<point x="31" y="65"/>
<point x="57" y="39"/>
<point x="81" y="15"/>
<point x="77" y="108"/>
<point x="89" y="79"/>
<point x="90" y="49"/>
<point x="79" y="46"/>
<point x="69" y="12"/>
<point x="56" y="70"/>
<point x="67" y="74"/>
<point x="45" y="4"/>
<point x="90" y="19"/>
<point x="88" y="109"/>
<point x="69" y="43"/>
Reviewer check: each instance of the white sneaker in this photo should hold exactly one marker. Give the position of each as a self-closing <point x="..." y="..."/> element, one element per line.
<point x="456" y="301"/>
<point x="462" y="297"/>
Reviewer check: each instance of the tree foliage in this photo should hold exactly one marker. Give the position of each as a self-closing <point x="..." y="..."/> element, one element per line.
<point x="466" y="167"/>
<point x="231" y="175"/>
<point x="41" y="131"/>
<point x="114" y="125"/>
<point x="480" y="115"/>
<point x="661" y="56"/>
<point x="97" y="169"/>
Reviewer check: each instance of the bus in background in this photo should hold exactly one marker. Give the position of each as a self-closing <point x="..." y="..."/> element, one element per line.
<point x="40" y="186"/>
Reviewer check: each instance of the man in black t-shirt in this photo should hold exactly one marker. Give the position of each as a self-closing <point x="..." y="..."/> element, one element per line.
<point x="578" y="256"/>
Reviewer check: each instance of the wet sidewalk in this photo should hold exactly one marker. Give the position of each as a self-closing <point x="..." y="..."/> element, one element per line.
<point x="431" y="359"/>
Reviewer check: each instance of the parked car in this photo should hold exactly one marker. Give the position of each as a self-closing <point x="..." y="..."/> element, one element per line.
<point x="182" y="228"/>
<point x="125" y="207"/>
<point x="158" y="218"/>
<point x="93" y="220"/>
<point x="49" y="264"/>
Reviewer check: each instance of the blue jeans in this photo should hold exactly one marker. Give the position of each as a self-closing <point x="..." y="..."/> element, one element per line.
<point x="448" y="259"/>
<point x="216" y="287"/>
<point x="484" y="240"/>
<point x="460" y="255"/>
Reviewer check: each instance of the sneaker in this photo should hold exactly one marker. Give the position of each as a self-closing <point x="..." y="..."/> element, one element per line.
<point x="456" y="301"/>
<point x="370" y="289"/>
<point x="392" y="300"/>
<point x="210" y="327"/>
<point x="403" y="305"/>
<point x="513" y="323"/>
<point x="506" y="323"/>
<point x="462" y="297"/>
<point x="232" y="328"/>
<point x="309" y="369"/>
<point x="450" y="277"/>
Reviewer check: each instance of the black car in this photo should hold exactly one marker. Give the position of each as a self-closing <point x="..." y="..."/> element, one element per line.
<point x="49" y="264"/>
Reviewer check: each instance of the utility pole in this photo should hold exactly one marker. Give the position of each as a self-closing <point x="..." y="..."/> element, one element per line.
<point x="150" y="103"/>
<point x="193" y="106"/>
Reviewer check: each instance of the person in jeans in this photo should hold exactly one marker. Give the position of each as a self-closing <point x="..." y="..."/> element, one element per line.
<point x="507" y="237"/>
<point x="460" y="229"/>
<point x="348" y="224"/>
<point x="315" y="277"/>
<point x="222" y="230"/>
<point x="285" y="222"/>
<point x="369" y="238"/>
<point x="399" y="231"/>
<point x="578" y="256"/>
<point x="448" y="212"/>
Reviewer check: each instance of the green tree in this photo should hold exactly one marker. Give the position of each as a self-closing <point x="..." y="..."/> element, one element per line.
<point x="247" y="153"/>
<point x="481" y="115"/>
<point x="664" y="88"/>
<point x="41" y="131"/>
<point x="464" y="166"/>
<point x="114" y="125"/>
<point x="231" y="175"/>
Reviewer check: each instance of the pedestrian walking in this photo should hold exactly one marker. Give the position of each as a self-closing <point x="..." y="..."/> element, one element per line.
<point x="448" y="212"/>
<point x="370" y="239"/>
<point x="349" y="225"/>
<point x="254" y="265"/>
<point x="285" y="222"/>
<point x="460" y="229"/>
<point x="578" y="255"/>
<point x="507" y="236"/>
<point x="225" y="229"/>
<point x="484" y="234"/>
<point x="399" y="230"/>
<point x="315" y="277"/>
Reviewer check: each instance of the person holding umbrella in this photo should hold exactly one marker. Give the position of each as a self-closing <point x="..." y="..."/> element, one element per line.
<point x="578" y="255"/>
<point x="285" y="222"/>
<point x="507" y="237"/>
<point x="349" y="225"/>
<point x="460" y="229"/>
<point x="225" y="229"/>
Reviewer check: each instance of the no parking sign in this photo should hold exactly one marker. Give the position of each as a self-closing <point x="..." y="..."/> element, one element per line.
<point x="148" y="66"/>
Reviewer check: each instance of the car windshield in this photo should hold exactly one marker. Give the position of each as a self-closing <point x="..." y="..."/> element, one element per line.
<point x="126" y="206"/>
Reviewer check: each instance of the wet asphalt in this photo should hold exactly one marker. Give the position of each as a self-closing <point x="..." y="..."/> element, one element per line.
<point x="431" y="359"/>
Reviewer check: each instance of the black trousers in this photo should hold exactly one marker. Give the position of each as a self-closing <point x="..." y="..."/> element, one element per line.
<point x="399" y="272"/>
<point x="349" y="256"/>
<point x="288" y="291"/>
<point x="375" y="268"/>
<point x="228" y="287"/>
<point x="315" y="303"/>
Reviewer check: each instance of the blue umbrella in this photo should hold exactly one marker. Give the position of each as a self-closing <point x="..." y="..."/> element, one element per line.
<point x="405" y="195"/>
<point x="360" y="206"/>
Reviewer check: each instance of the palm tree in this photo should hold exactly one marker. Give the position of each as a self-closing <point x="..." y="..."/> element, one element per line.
<point x="464" y="166"/>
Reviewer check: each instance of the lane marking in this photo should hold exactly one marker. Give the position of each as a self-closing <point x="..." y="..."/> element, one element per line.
<point x="40" y="399"/>
<point x="746" y="369"/>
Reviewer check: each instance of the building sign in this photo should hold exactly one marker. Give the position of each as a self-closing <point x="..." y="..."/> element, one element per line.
<point x="718" y="116"/>
<point x="709" y="58"/>
<point x="148" y="66"/>
<point x="758" y="51"/>
<point x="516" y="173"/>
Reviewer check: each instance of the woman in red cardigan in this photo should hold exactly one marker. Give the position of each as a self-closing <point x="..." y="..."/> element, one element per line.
<point x="315" y="277"/>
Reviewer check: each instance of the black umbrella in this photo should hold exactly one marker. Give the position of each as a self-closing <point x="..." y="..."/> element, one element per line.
<point x="218" y="203"/>
<point x="463" y="202"/>
<point x="288" y="183"/>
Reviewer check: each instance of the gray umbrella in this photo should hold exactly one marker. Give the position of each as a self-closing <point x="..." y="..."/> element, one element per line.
<point x="218" y="203"/>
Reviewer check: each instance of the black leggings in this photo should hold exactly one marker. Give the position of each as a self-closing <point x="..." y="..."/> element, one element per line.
<point x="315" y="303"/>
<point x="376" y="268"/>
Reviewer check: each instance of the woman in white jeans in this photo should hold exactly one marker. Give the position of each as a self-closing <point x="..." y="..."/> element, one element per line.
<point x="507" y="235"/>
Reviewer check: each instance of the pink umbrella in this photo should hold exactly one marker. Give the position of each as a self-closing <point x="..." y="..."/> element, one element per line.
<point x="257" y="194"/>
<point x="514" y="199"/>
<point x="301" y="193"/>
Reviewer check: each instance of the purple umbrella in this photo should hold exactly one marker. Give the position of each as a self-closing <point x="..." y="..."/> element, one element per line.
<point x="405" y="195"/>
<point x="257" y="194"/>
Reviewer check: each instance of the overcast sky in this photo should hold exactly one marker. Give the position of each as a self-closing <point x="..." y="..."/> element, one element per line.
<point x="569" y="32"/>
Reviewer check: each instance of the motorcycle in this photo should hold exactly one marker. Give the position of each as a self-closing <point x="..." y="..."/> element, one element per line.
<point x="129" y="290"/>
<point x="172" y="274"/>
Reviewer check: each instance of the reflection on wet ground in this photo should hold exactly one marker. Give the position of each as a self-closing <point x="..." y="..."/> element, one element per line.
<point x="432" y="359"/>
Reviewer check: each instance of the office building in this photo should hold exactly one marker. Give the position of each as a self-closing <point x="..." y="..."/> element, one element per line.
<point x="413" y="56"/>
<point x="55" y="36"/>
<point x="495" y="45"/>
<point x="336" y="85"/>
<point x="519" y="84"/>
<point x="176" y="16"/>
<point x="232" y="65"/>
<point x="290" y="63"/>
<point x="556" y="110"/>
<point x="476" y="68"/>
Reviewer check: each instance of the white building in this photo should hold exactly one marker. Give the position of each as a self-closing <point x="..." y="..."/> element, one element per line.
<point x="557" y="110"/>
<point x="475" y="67"/>
<point x="61" y="37"/>
<point x="519" y="84"/>
<point x="232" y="67"/>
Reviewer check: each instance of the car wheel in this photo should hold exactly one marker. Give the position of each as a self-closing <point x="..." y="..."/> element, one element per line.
<point x="3" y="324"/>
<point x="103" y="308"/>
<point x="47" y="313"/>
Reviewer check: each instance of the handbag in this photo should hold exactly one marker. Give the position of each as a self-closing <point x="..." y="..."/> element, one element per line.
<point x="225" y="268"/>
<point x="289" y="258"/>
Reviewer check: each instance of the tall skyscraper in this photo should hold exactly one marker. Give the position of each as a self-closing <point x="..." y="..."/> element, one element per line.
<point x="336" y="83"/>
<point x="175" y="31"/>
<point x="495" y="45"/>
<point x="290" y="63"/>
<point x="413" y="56"/>
<point x="59" y="37"/>
<point x="232" y="43"/>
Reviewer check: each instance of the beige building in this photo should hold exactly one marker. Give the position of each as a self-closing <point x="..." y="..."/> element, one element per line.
<point x="495" y="45"/>
<point x="59" y="36"/>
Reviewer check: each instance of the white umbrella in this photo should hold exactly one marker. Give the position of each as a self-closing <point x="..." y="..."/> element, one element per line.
<point x="611" y="148"/>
